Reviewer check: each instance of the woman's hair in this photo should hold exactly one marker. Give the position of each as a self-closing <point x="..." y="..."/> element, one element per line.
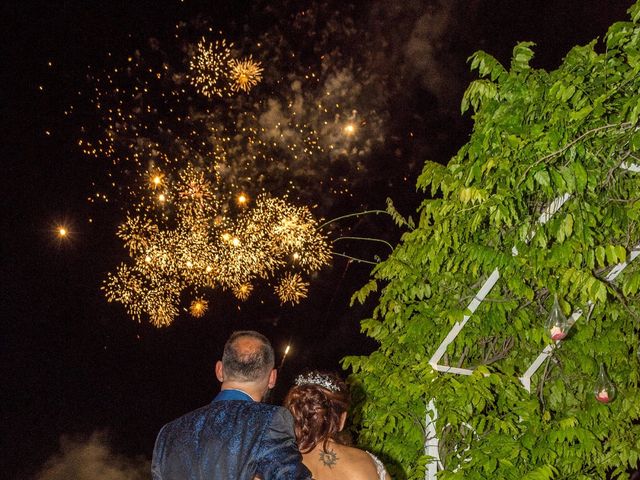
<point x="317" y="401"/>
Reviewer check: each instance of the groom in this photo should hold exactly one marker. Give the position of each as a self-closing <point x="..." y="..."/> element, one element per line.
<point x="235" y="436"/>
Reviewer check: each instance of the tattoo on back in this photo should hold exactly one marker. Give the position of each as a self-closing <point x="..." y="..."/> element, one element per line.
<point x="328" y="458"/>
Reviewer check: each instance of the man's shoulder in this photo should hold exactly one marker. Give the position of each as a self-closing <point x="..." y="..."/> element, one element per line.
<point x="214" y="409"/>
<point x="187" y="418"/>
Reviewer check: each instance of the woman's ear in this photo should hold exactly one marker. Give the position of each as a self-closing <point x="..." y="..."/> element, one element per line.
<point x="343" y="420"/>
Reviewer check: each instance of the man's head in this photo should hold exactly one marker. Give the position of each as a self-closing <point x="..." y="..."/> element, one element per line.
<point x="247" y="364"/>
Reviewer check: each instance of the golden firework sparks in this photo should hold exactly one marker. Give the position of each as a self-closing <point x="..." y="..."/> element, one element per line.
<point x="242" y="292"/>
<point x="291" y="288"/>
<point x="202" y="247"/>
<point x="125" y="287"/>
<point x="162" y="307"/>
<point x="156" y="179"/>
<point x="198" y="307"/>
<point x="194" y="179"/>
<point x="137" y="233"/>
<point x="244" y="74"/>
<point x="210" y="68"/>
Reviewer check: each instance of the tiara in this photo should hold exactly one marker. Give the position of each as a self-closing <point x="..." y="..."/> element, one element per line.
<point x="315" y="378"/>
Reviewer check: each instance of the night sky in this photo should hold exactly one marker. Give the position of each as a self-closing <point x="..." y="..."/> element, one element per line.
<point x="73" y="364"/>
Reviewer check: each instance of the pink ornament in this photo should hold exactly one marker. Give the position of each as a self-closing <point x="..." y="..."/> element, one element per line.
<point x="557" y="324"/>
<point x="603" y="396"/>
<point x="557" y="333"/>
<point x="605" y="390"/>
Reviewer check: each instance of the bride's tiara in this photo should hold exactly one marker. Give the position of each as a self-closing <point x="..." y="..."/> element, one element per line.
<point x="315" y="378"/>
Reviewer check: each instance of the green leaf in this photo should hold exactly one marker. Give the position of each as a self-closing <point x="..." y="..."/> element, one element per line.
<point x="542" y="177"/>
<point x="362" y="294"/>
<point x="580" y="175"/>
<point x="522" y="54"/>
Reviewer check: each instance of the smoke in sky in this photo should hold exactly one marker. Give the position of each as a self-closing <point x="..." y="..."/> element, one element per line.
<point x="91" y="458"/>
<point x="421" y="41"/>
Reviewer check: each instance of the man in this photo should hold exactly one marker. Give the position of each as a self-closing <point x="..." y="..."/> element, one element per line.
<point x="235" y="436"/>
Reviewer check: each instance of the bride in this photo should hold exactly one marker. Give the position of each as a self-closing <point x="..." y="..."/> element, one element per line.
<point x="319" y="404"/>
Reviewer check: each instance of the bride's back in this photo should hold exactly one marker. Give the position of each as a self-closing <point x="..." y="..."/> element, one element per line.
<point x="340" y="462"/>
<point x="319" y="404"/>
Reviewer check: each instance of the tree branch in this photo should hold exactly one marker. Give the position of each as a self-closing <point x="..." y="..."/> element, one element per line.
<point x="571" y="144"/>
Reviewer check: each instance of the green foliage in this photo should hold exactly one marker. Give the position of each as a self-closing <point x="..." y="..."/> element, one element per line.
<point x="537" y="135"/>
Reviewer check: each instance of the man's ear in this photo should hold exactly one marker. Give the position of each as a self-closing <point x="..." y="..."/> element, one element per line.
<point x="219" y="371"/>
<point x="273" y="376"/>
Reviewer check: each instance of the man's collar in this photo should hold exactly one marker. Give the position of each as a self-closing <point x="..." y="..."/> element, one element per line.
<point x="233" y="394"/>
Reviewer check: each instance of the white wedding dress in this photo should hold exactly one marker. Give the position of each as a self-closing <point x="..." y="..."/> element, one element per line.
<point x="382" y="473"/>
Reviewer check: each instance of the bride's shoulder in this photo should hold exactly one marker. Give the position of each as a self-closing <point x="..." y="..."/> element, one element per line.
<point x="343" y="462"/>
<point x="361" y="462"/>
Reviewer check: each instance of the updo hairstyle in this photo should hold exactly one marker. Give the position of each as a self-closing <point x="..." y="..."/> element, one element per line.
<point x="316" y="402"/>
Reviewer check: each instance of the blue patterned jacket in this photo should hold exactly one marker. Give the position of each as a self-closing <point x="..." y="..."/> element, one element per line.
<point x="231" y="438"/>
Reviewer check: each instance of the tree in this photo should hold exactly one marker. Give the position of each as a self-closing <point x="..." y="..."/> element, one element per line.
<point x="537" y="135"/>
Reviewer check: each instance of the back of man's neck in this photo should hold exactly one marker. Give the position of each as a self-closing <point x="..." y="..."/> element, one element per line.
<point x="241" y="388"/>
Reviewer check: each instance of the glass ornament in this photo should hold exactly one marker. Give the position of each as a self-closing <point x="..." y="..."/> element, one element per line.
<point x="557" y="324"/>
<point x="605" y="390"/>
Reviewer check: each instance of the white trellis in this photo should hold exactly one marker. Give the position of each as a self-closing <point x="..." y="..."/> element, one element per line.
<point x="431" y="445"/>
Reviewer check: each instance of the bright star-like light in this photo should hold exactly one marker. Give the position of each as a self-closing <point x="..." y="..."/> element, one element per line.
<point x="156" y="180"/>
<point x="349" y="129"/>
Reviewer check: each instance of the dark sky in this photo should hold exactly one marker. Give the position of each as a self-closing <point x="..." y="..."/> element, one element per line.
<point x="71" y="362"/>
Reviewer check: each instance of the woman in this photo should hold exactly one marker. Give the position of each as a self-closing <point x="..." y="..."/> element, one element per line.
<point x="319" y="404"/>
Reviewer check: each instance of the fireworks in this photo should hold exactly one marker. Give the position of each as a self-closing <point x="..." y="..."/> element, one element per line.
<point x="210" y="68"/>
<point x="244" y="74"/>
<point x="202" y="247"/>
<point x="242" y="292"/>
<point x="242" y="199"/>
<point x="292" y="288"/>
<point x="349" y="129"/>
<point x="292" y="142"/>
<point x="209" y="187"/>
<point x="198" y="308"/>
<point x="213" y="72"/>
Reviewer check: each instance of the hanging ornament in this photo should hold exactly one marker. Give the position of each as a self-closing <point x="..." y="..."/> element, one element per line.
<point x="604" y="390"/>
<point x="557" y="325"/>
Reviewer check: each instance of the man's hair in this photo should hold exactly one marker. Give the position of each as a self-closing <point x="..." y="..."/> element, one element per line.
<point x="247" y="366"/>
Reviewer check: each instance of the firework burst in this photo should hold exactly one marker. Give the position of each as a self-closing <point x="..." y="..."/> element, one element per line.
<point x="201" y="246"/>
<point x="243" y="292"/>
<point x="211" y="188"/>
<point x="291" y="288"/>
<point x="198" y="307"/>
<point x="244" y="74"/>
<point x="209" y="68"/>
